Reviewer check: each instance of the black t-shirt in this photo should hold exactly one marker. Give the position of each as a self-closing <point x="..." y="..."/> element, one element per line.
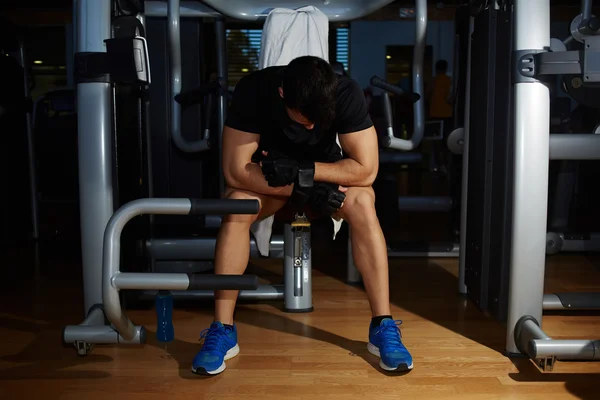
<point x="257" y="108"/>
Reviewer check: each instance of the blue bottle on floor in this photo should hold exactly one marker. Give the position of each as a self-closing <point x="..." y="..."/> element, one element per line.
<point x="164" y="317"/>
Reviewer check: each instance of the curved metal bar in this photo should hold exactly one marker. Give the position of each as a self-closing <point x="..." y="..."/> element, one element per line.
<point x="112" y="254"/>
<point x="174" y="44"/>
<point x="418" y="60"/>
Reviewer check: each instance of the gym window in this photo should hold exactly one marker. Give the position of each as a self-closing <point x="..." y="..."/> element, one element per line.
<point x="342" y="44"/>
<point x="243" y="49"/>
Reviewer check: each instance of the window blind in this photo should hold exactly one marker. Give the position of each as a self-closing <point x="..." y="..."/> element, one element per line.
<point x="342" y="44"/>
<point x="243" y="47"/>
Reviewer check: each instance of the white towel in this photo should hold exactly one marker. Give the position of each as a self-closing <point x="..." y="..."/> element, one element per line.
<point x="289" y="34"/>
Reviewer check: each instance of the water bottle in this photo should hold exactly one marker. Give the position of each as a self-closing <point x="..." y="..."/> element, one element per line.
<point x="164" y="317"/>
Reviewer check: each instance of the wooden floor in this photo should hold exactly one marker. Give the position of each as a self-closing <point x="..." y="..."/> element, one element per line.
<point x="457" y="351"/>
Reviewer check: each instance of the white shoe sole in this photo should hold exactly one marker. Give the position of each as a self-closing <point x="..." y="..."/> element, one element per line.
<point x="232" y="352"/>
<point x="375" y="351"/>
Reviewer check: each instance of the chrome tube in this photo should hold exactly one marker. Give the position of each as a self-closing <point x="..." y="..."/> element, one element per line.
<point x="112" y="254"/>
<point x="417" y="78"/>
<point x="579" y="146"/>
<point x="530" y="197"/>
<point x="174" y="46"/>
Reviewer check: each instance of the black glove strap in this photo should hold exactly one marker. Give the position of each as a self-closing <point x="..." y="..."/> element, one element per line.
<point x="306" y="174"/>
<point x="300" y="197"/>
<point x="303" y="187"/>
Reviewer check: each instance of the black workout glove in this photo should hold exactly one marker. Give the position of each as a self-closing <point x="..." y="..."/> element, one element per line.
<point x="326" y="198"/>
<point x="322" y="198"/>
<point x="280" y="170"/>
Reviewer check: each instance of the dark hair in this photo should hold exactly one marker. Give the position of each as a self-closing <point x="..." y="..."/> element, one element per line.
<point x="338" y="68"/>
<point x="310" y="86"/>
<point x="441" y="65"/>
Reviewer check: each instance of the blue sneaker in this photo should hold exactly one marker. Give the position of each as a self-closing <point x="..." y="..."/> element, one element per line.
<point x="385" y="342"/>
<point x="220" y="344"/>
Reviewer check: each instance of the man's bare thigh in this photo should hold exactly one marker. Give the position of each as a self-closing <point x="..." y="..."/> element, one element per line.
<point x="269" y="205"/>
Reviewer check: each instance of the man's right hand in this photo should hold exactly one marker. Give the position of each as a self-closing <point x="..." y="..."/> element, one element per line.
<point x="280" y="170"/>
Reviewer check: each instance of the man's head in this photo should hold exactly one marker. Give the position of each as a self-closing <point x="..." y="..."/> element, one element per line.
<point x="308" y="89"/>
<point x="441" y="67"/>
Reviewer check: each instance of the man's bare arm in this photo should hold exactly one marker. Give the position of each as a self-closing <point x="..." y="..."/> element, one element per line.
<point x="239" y="170"/>
<point x="361" y="168"/>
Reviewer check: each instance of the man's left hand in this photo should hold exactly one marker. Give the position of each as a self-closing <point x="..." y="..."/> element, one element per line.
<point x="327" y="198"/>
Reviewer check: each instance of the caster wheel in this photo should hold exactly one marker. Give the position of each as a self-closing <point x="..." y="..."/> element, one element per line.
<point x="553" y="243"/>
<point x="83" y="348"/>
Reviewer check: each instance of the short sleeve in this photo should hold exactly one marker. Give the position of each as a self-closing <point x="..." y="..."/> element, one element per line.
<point x="352" y="110"/>
<point x="242" y="113"/>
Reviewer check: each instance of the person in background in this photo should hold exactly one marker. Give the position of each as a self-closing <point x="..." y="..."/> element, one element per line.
<point x="439" y="96"/>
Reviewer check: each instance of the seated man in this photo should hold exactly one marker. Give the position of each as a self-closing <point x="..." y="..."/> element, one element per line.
<point x="279" y="147"/>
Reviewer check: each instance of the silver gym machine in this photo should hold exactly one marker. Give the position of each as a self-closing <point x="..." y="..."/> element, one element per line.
<point x="100" y="228"/>
<point x="573" y="147"/>
<point x="120" y="329"/>
<point x="533" y="148"/>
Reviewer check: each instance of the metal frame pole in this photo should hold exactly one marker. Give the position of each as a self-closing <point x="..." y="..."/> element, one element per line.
<point x="174" y="46"/>
<point x="30" y="146"/>
<point x="418" y="61"/>
<point x="417" y="81"/>
<point x="586" y="9"/>
<point x="532" y="127"/>
<point x="75" y="25"/>
<point x="94" y="127"/>
<point x="221" y="35"/>
<point x="462" y="288"/>
<point x="73" y="46"/>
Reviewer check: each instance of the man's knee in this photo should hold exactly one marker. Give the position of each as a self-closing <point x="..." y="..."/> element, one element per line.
<point x="236" y="194"/>
<point x="266" y="205"/>
<point x="359" y="204"/>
